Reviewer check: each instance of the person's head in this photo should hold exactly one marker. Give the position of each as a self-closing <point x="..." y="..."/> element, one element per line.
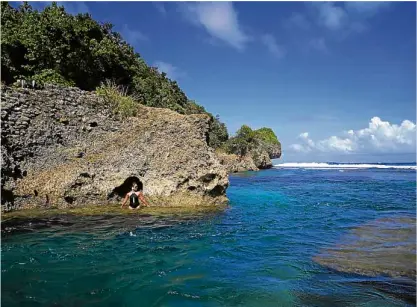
<point x="135" y="187"/>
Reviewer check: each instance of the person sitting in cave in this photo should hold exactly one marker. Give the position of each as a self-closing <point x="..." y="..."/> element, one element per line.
<point x="134" y="197"/>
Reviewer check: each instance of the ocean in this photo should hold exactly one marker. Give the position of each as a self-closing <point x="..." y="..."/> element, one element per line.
<point x="306" y="234"/>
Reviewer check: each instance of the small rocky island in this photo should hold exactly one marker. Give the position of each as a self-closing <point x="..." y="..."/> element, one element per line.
<point x="82" y="131"/>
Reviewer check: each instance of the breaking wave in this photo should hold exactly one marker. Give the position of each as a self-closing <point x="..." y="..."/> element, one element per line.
<point x="315" y="165"/>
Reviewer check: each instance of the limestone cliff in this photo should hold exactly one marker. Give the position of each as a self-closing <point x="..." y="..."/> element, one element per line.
<point x="63" y="147"/>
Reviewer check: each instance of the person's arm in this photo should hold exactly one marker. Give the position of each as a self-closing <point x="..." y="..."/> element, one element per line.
<point x="142" y="198"/>
<point x="125" y="200"/>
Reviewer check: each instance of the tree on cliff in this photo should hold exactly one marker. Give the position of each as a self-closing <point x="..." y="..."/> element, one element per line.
<point x="267" y="135"/>
<point x="247" y="140"/>
<point x="53" y="46"/>
<point x="218" y="132"/>
<point x="242" y="142"/>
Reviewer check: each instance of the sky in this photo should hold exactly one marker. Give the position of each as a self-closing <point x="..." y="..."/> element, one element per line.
<point x="336" y="81"/>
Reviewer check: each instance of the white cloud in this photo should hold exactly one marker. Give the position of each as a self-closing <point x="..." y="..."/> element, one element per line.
<point x="172" y="71"/>
<point x="219" y="19"/>
<point x="333" y="21"/>
<point x="379" y="137"/>
<point x="132" y="36"/>
<point x="332" y="16"/>
<point x="299" y="148"/>
<point x="348" y="17"/>
<point x="270" y="42"/>
<point x="368" y="8"/>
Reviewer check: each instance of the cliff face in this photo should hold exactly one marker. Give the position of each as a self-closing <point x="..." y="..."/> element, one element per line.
<point x="62" y="147"/>
<point x="234" y="163"/>
<point x="263" y="154"/>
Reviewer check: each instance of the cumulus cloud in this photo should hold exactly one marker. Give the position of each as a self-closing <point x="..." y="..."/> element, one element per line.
<point x="219" y="19"/>
<point x="271" y="44"/>
<point x="379" y="137"/>
<point x="172" y="71"/>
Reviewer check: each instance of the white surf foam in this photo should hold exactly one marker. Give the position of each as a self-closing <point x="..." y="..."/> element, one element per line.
<point x="315" y="165"/>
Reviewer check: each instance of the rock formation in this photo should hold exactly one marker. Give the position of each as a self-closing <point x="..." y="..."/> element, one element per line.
<point x="258" y="158"/>
<point x="234" y="163"/>
<point x="63" y="147"/>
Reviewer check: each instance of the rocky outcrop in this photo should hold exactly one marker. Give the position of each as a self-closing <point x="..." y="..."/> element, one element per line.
<point x="258" y="158"/>
<point x="264" y="152"/>
<point x="261" y="159"/>
<point x="273" y="150"/>
<point x="63" y="147"/>
<point x="234" y="163"/>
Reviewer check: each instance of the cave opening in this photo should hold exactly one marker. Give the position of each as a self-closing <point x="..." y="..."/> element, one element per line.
<point x="126" y="187"/>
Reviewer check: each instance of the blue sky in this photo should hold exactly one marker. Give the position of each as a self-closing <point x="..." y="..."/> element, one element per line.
<point x="335" y="81"/>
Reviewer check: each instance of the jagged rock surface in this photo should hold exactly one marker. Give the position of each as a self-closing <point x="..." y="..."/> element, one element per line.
<point x="62" y="146"/>
<point x="234" y="163"/>
<point x="261" y="159"/>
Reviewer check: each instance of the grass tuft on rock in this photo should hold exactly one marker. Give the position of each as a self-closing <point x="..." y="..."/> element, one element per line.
<point x="117" y="99"/>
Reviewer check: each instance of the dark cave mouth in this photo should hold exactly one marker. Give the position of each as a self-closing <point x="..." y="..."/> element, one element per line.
<point x="126" y="187"/>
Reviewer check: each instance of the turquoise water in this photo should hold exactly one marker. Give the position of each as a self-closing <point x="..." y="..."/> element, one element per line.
<point x="262" y="251"/>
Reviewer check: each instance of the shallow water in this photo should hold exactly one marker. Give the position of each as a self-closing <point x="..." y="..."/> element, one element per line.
<point x="284" y="241"/>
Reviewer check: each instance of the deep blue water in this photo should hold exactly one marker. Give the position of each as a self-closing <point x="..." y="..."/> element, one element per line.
<point x="259" y="252"/>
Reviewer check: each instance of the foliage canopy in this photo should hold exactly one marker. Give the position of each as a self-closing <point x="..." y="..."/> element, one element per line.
<point x="247" y="139"/>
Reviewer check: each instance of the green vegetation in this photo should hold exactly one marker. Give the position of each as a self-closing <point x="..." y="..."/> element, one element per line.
<point x="267" y="135"/>
<point x="52" y="46"/>
<point x="243" y="142"/>
<point x="247" y="139"/>
<point x="50" y="76"/>
<point x="115" y="96"/>
<point x="218" y="133"/>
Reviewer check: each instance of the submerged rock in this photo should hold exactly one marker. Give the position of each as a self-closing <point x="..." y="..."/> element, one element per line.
<point x="166" y="153"/>
<point x="384" y="247"/>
